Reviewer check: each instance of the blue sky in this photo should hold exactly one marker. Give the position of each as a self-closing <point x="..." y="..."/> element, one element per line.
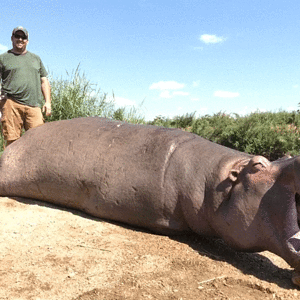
<point x="174" y="57"/>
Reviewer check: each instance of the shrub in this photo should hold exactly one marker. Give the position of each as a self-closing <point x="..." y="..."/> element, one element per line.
<point x="185" y="121"/>
<point x="161" y="121"/>
<point x="272" y="135"/>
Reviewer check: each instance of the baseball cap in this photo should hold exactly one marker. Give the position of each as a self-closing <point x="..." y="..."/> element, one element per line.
<point x="20" y="28"/>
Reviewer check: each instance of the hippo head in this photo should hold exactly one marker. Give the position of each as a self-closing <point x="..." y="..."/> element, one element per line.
<point x="260" y="212"/>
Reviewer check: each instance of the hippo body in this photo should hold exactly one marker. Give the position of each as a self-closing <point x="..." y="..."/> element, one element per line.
<point x="165" y="180"/>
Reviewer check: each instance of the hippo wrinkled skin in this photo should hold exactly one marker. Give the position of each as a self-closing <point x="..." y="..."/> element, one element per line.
<point x="166" y="180"/>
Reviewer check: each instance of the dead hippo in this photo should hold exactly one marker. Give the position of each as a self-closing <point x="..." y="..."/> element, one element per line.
<point x="166" y="180"/>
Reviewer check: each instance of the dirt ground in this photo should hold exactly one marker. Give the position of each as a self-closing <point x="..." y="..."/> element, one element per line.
<point x="56" y="254"/>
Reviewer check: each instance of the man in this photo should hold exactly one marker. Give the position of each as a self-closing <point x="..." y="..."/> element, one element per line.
<point x="24" y="82"/>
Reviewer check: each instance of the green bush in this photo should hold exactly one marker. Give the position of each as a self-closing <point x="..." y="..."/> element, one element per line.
<point x="217" y="128"/>
<point x="161" y="121"/>
<point x="272" y="135"/>
<point x="186" y="121"/>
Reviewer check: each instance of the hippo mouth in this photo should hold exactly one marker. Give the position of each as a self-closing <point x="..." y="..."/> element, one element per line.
<point x="294" y="241"/>
<point x="293" y="244"/>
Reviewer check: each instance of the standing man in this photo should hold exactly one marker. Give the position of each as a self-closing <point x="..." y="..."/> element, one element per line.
<point x="24" y="83"/>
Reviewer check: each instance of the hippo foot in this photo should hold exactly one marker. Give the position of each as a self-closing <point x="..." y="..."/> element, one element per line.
<point x="296" y="278"/>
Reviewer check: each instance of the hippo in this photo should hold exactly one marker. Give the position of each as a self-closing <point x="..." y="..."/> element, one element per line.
<point x="166" y="180"/>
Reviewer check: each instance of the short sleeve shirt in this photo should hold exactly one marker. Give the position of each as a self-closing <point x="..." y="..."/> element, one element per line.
<point x="21" y="77"/>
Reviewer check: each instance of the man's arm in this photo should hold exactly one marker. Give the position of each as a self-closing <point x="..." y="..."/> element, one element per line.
<point x="46" y="90"/>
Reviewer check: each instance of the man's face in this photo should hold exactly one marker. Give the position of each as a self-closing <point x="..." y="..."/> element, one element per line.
<point x="19" y="41"/>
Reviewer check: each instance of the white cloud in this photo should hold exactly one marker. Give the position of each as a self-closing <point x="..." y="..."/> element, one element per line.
<point x="295" y="86"/>
<point x="3" y="48"/>
<point x="123" y="102"/>
<point x="225" y="94"/>
<point x="167" y="85"/>
<point x="211" y="39"/>
<point x="165" y="94"/>
<point x="195" y="99"/>
<point x="179" y="93"/>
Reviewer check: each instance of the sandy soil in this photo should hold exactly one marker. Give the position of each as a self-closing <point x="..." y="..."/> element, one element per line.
<point x="52" y="253"/>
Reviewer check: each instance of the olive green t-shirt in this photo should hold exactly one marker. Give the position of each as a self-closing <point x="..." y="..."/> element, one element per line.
<point x="21" y="77"/>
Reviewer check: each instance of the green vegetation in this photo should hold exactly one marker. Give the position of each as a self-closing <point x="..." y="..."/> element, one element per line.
<point x="184" y="121"/>
<point x="75" y="96"/>
<point x="131" y="115"/>
<point x="271" y="134"/>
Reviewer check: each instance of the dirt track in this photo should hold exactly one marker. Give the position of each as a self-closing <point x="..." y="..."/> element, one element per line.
<point x="56" y="254"/>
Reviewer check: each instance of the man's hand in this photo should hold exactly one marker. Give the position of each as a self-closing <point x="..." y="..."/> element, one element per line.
<point x="46" y="90"/>
<point x="47" y="109"/>
<point x="3" y="96"/>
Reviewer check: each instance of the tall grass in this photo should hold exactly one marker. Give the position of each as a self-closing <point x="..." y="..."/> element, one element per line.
<point x="129" y="114"/>
<point x="75" y="96"/>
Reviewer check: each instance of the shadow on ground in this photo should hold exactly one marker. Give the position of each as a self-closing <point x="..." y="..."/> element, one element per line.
<point x="216" y="249"/>
<point x="253" y="264"/>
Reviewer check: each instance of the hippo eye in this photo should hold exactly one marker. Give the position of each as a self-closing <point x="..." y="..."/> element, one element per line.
<point x="258" y="166"/>
<point x="258" y="163"/>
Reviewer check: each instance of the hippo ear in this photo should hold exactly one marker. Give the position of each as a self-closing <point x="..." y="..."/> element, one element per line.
<point x="233" y="174"/>
<point x="236" y="169"/>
